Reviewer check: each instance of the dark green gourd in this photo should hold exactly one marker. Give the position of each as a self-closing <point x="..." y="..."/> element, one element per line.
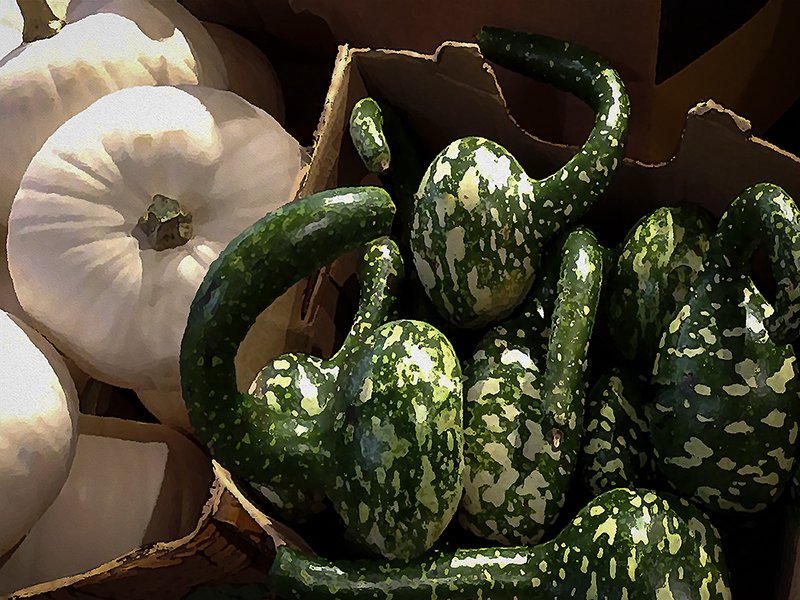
<point x="616" y="448"/>
<point x="660" y="259"/>
<point x="725" y="418"/>
<point x="479" y="220"/>
<point x="624" y="545"/>
<point x="388" y="437"/>
<point x="524" y="394"/>
<point x="296" y="392"/>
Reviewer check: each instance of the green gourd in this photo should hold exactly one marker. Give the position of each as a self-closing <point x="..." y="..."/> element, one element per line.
<point x="296" y="392"/>
<point x="390" y="442"/>
<point x="524" y="396"/>
<point x="625" y="544"/>
<point x="616" y="448"/>
<point x="659" y="260"/>
<point x="479" y="220"/>
<point x="725" y="418"/>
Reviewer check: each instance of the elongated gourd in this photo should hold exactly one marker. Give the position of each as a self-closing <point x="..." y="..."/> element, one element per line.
<point x="624" y="544"/>
<point x="479" y="221"/>
<point x="524" y="404"/>
<point x="725" y="418"/>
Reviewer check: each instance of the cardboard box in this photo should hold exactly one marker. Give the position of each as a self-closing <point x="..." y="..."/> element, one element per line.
<point x="451" y="94"/>
<point x="202" y="529"/>
<point x="671" y="54"/>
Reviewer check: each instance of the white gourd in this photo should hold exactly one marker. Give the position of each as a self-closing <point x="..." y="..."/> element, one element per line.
<point x="81" y="265"/>
<point x="38" y="427"/>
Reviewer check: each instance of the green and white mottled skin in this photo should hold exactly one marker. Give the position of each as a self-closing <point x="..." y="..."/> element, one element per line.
<point x="479" y="220"/>
<point x="255" y="269"/>
<point x="660" y="259"/>
<point x="616" y="445"/>
<point x="624" y="545"/>
<point x="366" y="131"/>
<point x="726" y="415"/>
<point x="399" y="442"/>
<point x="525" y="391"/>
<point x="297" y="391"/>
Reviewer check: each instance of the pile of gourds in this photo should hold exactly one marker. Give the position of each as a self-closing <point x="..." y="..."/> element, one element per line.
<point x="405" y="430"/>
<point x="128" y="126"/>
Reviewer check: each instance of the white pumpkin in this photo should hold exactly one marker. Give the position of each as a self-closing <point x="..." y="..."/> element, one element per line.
<point x="38" y="427"/>
<point x="81" y="265"/>
<point x="131" y="484"/>
<point x="106" y="45"/>
<point x="250" y="73"/>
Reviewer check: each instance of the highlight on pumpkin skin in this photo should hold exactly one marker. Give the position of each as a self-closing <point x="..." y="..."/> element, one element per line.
<point x="480" y="221"/>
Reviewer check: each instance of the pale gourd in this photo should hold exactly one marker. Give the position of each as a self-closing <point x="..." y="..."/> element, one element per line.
<point x="122" y="211"/>
<point x="38" y="427"/>
<point x="250" y="73"/>
<point x="105" y="45"/>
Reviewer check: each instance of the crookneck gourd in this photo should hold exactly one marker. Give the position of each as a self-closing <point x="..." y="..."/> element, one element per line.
<point x="391" y="452"/>
<point x="298" y="391"/>
<point x="479" y="220"/>
<point x="725" y="418"/>
<point x="659" y="260"/>
<point x="625" y="544"/>
<point x="524" y="396"/>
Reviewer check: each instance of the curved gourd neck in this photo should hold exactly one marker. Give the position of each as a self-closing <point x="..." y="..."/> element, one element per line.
<point x="379" y="277"/>
<point x="570" y="191"/>
<point x="763" y="215"/>
<point x="39" y="21"/>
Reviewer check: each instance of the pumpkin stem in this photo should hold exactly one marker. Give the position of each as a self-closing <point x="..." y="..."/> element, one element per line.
<point x="40" y="22"/>
<point x="165" y="224"/>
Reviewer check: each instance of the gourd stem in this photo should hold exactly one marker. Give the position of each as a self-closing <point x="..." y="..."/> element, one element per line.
<point x="573" y="317"/>
<point x="379" y="277"/>
<point x="566" y="194"/>
<point x="764" y="214"/>
<point x="165" y="224"/>
<point x="39" y="20"/>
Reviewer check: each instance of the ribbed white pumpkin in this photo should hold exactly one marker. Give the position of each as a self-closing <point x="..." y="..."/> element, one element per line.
<point x="105" y="46"/>
<point x="80" y="267"/>
<point x="38" y="427"/>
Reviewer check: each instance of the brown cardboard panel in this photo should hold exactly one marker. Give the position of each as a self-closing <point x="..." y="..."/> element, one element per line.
<point x="220" y="536"/>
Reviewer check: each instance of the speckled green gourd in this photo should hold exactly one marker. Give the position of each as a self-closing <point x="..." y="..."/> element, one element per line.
<point x="479" y="220"/>
<point x="616" y="448"/>
<point x="297" y="393"/>
<point x="725" y="418"/>
<point x="366" y="131"/>
<point x="525" y="391"/>
<point x="624" y="545"/>
<point x="660" y="258"/>
<point x="399" y="443"/>
<point x="249" y="274"/>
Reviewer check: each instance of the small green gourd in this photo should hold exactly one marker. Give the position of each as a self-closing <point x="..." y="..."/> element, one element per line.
<point x="616" y="448"/>
<point x="524" y="395"/>
<point x="725" y="418"/>
<point x="659" y="260"/>
<point x="479" y="221"/>
<point x="625" y="544"/>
